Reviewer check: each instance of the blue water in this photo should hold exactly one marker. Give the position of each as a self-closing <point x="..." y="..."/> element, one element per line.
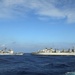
<point x="37" y="65"/>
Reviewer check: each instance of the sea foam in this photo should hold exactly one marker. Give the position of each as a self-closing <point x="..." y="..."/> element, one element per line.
<point x="70" y="73"/>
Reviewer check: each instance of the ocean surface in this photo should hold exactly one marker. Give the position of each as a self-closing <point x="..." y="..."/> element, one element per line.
<point x="29" y="64"/>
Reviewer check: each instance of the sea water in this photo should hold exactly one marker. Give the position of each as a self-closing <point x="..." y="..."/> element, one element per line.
<point x="29" y="64"/>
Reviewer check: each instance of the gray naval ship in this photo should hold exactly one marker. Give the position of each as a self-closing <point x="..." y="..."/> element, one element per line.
<point x="10" y="52"/>
<point x="54" y="52"/>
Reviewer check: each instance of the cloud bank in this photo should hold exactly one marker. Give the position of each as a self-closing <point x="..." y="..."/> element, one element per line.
<point x="56" y="9"/>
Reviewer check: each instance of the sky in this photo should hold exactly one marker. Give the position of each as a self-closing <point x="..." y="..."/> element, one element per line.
<point x="31" y="25"/>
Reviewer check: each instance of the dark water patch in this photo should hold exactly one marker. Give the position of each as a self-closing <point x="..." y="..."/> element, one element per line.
<point x="3" y="61"/>
<point x="11" y="58"/>
<point x="30" y="73"/>
<point x="71" y="63"/>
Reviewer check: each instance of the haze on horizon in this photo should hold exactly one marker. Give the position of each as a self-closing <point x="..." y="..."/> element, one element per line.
<point x="29" y="25"/>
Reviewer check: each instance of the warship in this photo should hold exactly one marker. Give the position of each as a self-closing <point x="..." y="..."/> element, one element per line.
<point x="54" y="52"/>
<point x="10" y="52"/>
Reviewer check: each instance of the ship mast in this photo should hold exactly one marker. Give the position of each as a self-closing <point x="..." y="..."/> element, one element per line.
<point x="73" y="49"/>
<point x="5" y="49"/>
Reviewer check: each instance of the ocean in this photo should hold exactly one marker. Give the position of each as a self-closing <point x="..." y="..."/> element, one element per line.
<point x="29" y="64"/>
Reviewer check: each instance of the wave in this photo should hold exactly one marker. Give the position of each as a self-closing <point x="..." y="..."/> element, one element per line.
<point x="62" y="65"/>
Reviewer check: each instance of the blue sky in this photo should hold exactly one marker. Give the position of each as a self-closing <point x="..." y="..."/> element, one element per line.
<point x="29" y="25"/>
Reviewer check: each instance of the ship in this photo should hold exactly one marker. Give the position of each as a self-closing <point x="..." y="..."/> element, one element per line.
<point x="10" y="52"/>
<point x="54" y="52"/>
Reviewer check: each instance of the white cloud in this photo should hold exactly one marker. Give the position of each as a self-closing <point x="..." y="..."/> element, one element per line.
<point x="48" y="8"/>
<point x="71" y="17"/>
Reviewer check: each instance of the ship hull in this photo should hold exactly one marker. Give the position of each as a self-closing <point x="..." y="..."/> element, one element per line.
<point x="54" y="54"/>
<point x="10" y="54"/>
